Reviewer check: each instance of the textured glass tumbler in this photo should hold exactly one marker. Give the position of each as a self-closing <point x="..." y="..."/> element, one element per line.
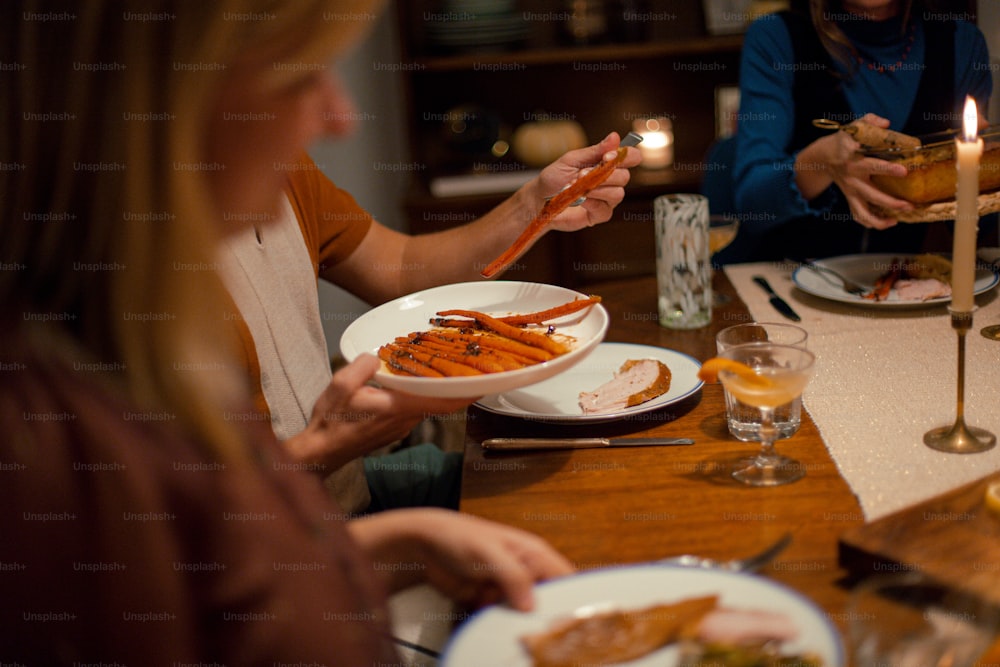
<point x="683" y="261"/>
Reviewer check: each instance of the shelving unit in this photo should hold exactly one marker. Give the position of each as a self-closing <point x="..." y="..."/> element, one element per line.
<point x="673" y="70"/>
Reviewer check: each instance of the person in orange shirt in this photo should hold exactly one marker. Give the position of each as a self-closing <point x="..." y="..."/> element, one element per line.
<point x="329" y="422"/>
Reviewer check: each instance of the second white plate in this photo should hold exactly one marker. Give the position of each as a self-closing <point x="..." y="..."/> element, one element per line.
<point x="492" y="637"/>
<point x="865" y="269"/>
<point x="556" y="399"/>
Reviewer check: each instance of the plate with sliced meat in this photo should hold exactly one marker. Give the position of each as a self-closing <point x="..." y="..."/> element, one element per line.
<point x="616" y="381"/>
<point x="469" y="340"/>
<point x="650" y="615"/>
<point x="897" y="281"/>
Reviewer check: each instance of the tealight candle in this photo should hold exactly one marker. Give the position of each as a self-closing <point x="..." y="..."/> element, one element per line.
<point x="968" y="149"/>
<point x="657" y="147"/>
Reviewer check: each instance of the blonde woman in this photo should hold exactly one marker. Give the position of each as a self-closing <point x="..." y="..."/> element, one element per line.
<point x="148" y="517"/>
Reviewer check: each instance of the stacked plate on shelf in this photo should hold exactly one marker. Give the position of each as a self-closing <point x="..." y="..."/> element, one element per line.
<point x="475" y="25"/>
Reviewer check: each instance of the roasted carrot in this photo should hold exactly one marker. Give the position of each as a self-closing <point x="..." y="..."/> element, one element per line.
<point x="401" y="364"/>
<point x="554" y="207"/>
<point x="510" y="353"/>
<point x="885" y="282"/>
<point x="529" y="318"/>
<point x="516" y="333"/>
<point x="551" y="313"/>
<point x="458" y="353"/>
<point x="453" y="323"/>
<point x="438" y="363"/>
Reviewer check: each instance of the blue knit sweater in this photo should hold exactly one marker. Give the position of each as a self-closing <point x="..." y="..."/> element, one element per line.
<point x="763" y="172"/>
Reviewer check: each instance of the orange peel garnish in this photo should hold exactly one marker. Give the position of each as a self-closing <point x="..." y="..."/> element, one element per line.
<point x="709" y="371"/>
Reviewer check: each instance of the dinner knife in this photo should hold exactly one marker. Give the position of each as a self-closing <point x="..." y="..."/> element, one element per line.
<point x="579" y="443"/>
<point x="779" y="304"/>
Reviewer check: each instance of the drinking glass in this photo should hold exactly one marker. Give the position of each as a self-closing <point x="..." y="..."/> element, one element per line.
<point x="779" y="375"/>
<point x="743" y="420"/>
<point x="721" y="232"/>
<point x="908" y="620"/>
<point x="683" y="262"/>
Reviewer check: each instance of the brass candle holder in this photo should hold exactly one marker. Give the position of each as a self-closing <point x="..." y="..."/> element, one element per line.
<point x="960" y="438"/>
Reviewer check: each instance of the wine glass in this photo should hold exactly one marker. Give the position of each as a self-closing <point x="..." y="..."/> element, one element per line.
<point x="780" y="374"/>
<point x="721" y="232"/>
<point x="909" y="620"/>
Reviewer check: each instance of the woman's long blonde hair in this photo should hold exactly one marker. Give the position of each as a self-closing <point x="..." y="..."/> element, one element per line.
<point x="107" y="216"/>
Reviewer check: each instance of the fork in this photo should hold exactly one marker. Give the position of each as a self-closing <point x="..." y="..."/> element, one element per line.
<point x="748" y="564"/>
<point x="631" y="139"/>
<point x="849" y="286"/>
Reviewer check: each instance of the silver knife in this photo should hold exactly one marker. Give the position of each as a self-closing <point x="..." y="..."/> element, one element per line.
<point x="779" y="304"/>
<point x="579" y="443"/>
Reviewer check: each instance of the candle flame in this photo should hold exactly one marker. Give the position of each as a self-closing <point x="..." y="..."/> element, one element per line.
<point x="970" y="120"/>
<point x="654" y="140"/>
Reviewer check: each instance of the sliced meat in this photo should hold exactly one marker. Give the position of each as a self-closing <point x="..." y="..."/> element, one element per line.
<point x="921" y="290"/>
<point x="637" y="381"/>
<point x="745" y="626"/>
<point x="617" y="636"/>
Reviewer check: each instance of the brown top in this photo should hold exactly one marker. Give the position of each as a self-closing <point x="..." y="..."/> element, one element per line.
<point x="123" y="544"/>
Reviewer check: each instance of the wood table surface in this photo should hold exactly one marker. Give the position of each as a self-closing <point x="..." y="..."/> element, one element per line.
<point x="603" y="507"/>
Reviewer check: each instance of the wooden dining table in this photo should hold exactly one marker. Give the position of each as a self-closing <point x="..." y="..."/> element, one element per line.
<point x="606" y="507"/>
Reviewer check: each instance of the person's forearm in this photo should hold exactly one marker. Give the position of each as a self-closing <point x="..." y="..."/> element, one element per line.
<point x="389" y="264"/>
<point x="388" y="540"/>
<point x="461" y="253"/>
<point x="811" y="174"/>
<point x="311" y="451"/>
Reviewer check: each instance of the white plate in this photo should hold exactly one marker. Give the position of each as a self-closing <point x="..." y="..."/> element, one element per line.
<point x="556" y="399"/>
<point x="413" y="313"/>
<point x="491" y="637"/>
<point x="865" y="269"/>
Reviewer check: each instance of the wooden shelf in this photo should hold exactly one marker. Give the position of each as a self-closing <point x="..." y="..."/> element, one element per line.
<point x="672" y="71"/>
<point x="681" y="48"/>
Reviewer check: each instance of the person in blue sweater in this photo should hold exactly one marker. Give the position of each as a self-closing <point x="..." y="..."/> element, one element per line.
<point x="804" y="192"/>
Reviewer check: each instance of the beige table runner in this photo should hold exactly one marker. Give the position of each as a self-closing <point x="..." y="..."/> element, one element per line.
<point x="883" y="378"/>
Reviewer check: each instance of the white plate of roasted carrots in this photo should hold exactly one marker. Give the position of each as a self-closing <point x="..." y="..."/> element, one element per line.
<point x="473" y="339"/>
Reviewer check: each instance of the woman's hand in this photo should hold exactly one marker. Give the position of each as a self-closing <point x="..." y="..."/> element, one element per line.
<point x="471" y="560"/>
<point x="835" y="159"/>
<point x="352" y="418"/>
<point x="600" y="201"/>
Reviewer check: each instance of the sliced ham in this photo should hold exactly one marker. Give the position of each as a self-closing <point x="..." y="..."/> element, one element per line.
<point x="637" y="381"/>
<point x="921" y="289"/>
<point x="745" y="626"/>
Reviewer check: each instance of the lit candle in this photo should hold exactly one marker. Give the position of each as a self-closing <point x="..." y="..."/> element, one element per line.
<point x="657" y="147"/>
<point x="963" y="257"/>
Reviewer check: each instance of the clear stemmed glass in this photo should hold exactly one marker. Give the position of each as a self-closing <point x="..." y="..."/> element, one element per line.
<point x="744" y="420"/>
<point x="780" y="374"/>
<point x="721" y="232"/>
<point x="909" y="620"/>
